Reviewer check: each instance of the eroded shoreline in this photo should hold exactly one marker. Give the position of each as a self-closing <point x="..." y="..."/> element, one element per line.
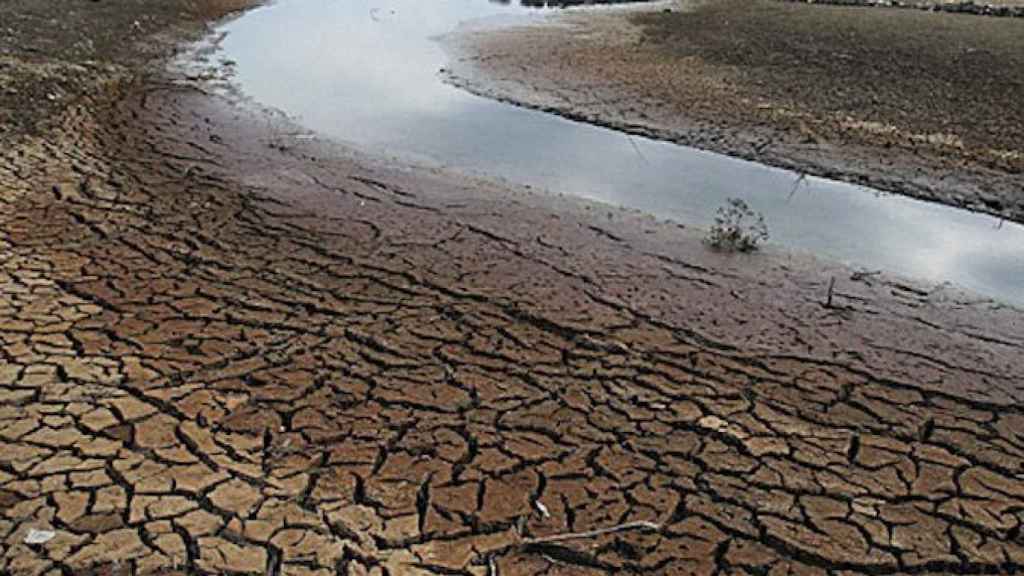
<point x="796" y="92"/>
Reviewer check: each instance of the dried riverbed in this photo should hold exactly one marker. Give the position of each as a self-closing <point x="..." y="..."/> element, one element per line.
<point x="227" y="350"/>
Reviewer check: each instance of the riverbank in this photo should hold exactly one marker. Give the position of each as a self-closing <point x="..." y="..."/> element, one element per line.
<point x="907" y="101"/>
<point x="226" y="349"/>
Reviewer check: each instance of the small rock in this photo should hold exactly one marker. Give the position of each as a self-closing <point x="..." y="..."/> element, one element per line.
<point x="39" y="536"/>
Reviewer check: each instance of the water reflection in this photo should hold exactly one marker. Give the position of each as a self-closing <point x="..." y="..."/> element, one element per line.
<point x="366" y="72"/>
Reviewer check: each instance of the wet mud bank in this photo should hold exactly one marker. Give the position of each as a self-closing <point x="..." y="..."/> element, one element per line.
<point x="1005" y="9"/>
<point x="918" y="103"/>
<point x="225" y="349"/>
<point x="400" y="106"/>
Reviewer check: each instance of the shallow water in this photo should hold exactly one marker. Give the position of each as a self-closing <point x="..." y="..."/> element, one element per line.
<point x="367" y="72"/>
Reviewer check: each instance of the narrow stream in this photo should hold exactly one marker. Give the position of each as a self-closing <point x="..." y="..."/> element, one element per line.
<point x="366" y="72"/>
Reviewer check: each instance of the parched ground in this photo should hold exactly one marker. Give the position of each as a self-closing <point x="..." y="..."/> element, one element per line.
<point x="920" y="103"/>
<point x="227" y="351"/>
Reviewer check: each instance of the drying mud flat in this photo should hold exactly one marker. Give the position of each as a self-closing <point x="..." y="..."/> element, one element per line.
<point x="227" y="350"/>
<point x="916" y="102"/>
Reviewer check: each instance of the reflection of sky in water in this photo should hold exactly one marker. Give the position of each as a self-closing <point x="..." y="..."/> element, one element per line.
<point x="366" y="72"/>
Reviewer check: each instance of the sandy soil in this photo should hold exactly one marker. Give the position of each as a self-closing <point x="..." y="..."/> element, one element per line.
<point x="925" y="104"/>
<point x="224" y="350"/>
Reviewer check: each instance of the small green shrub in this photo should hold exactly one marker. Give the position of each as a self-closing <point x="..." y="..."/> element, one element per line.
<point x="737" y="228"/>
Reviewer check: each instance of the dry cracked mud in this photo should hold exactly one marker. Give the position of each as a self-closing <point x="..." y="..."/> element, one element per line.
<point x="224" y="350"/>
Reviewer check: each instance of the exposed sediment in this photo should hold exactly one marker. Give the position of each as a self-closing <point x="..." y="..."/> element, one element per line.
<point x="919" y="103"/>
<point x="226" y="350"/>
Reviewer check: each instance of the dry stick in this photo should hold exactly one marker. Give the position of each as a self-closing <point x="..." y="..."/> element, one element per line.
<point x="492" y="567"/>
<point x="831" y="285"/>
<point x="640" y="524"/>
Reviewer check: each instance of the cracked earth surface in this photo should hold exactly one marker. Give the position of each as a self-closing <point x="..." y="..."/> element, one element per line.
<point x="227" y="351"/>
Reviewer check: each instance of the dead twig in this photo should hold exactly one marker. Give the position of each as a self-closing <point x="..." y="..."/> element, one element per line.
<point x="638" y="525"/>
<point x="549" y="543"/>
<point x="864" y="275"/>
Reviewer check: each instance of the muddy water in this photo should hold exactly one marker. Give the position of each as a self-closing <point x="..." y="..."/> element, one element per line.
<point x="368" y="72"/>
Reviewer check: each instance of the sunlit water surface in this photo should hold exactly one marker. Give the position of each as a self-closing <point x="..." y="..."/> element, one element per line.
<point x="367" y="72"/>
